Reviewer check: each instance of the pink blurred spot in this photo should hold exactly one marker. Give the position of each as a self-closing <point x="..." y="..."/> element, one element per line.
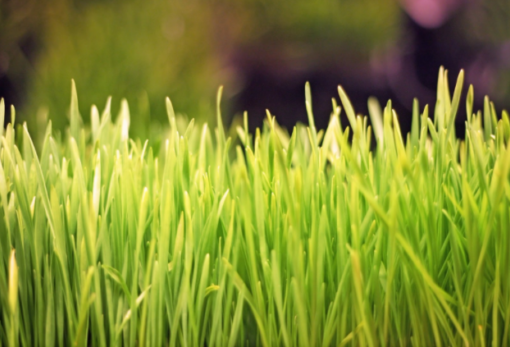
<point x="430" y="13"/>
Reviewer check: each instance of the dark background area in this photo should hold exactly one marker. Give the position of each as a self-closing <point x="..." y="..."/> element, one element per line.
<point x="262" y="52"/>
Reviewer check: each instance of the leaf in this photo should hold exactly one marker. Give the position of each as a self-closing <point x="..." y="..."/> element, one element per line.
<point x="2" y="116"/>
<point x="469" y="103"/>
<point x="375" y="112"/>
<point x="13" y="284"/>
<point x="76" y="121"/>
<point x="349" y="110"/>
<point x="455" y="102"/>
<point x="124" y="120"/>
<point x="219" y="121"/>
<point x="170" y="110"/>
<point x="115" y="275"/>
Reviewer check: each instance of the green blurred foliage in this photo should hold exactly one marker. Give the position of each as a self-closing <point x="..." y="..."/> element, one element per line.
<point x="139" y="50"/>
<point x="356" y="25"/>
<point x="19" y="19"/>
<point x="146" y="50"/>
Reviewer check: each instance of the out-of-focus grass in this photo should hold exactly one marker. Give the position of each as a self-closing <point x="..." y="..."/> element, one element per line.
<point x="144" y="50"/>
<point x="357" y="26"/>
<point x="314" y="238"/>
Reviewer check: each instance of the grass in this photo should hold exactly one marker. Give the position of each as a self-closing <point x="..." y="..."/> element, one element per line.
<point x="355" y="237"/>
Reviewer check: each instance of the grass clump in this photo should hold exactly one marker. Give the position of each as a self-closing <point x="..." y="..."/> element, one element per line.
<point x="317" y="238"/>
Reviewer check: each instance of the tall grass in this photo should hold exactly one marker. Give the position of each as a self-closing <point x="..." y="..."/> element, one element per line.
<point x="317" y="238"/>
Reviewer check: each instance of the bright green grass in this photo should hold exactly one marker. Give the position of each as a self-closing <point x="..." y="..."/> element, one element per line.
<point x="314" y="239"/>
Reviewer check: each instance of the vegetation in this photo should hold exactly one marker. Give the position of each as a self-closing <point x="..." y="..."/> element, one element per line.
<point x="143" y="50"/>
<point x="360" y="237"/>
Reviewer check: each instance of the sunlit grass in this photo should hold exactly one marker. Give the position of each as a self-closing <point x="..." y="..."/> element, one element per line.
<point x="361" y="237"/>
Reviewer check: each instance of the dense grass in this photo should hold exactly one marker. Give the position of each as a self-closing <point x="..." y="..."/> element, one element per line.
<point x="314" y="239"/>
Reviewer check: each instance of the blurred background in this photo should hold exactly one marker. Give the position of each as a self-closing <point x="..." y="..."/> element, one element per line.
<point x="262" y="51"/>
